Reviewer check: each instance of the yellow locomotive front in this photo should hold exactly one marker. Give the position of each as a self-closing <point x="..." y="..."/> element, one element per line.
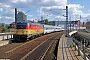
<point x="26" y="30"/>
<point x="20" y="32"/>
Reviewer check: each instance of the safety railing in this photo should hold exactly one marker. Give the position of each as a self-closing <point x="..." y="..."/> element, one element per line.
<point x="82" y="50"/>
<point x="4" y="36"/>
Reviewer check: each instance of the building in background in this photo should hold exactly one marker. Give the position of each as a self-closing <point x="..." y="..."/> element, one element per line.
<point x="87" y="25"/>
<point x="71" y="24"/>
<point x="1" y="29"/>
<point x="80" y="24"/>
<point x="21" y="17"/>
<point x="41" y="18"/>
<point x="62" y="23"/>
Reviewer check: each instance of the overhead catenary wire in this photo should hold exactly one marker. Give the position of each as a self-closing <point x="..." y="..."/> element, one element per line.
<point x="50" y="10"/>
<point x="27" y="11"/>
<point x="71" y="1"/>
<point x="41" y="2"/>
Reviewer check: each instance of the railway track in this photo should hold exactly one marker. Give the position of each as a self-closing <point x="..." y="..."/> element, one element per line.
<point x="21" y="50"/>
<point x="48" y="54"/>
<point x="8" y="47"/>
<point x="51" y="53"/>
<point x="45" y="47"/>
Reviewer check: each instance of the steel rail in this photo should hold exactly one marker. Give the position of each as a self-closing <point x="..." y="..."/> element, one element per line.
<point x="44" y="54"/>
<point x="24" y="57"/>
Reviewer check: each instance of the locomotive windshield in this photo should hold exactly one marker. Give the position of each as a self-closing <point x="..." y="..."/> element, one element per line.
<point x="21" y="25"/>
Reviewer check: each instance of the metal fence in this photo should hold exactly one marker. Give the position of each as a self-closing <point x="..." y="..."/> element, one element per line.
<point x="82" y="50"/>
<point x="4" y="36"/>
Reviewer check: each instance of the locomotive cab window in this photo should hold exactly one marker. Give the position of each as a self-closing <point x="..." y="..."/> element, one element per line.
<point x="21" y="25"/>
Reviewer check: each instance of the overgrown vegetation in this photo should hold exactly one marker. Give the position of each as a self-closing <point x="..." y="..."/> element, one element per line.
<point x="6" y="29"/>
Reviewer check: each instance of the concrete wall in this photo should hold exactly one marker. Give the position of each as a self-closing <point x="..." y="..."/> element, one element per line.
<point x="4" y="36"/>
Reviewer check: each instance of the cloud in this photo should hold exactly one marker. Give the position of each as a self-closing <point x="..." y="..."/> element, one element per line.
<point x="31" y="3"/>
<point x="30" y="15"/>
<point x="9" y="13"/>
<point x="6" y="20"/>
<point x="75" y="9"/>
<point x="88" y="10"/>
<point x="3" y="5"/>
<point x="48" y="3"/>
<point x="1" y="9"/>
<point x="5" y="1"/>
<point x="58" y="17"/>
<point x="48" y="9"/>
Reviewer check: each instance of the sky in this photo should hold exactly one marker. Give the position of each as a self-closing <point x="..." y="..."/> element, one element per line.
<point x="48" y="9"/>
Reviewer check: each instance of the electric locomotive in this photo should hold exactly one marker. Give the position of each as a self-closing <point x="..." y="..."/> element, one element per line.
<point x="25" y="30"/>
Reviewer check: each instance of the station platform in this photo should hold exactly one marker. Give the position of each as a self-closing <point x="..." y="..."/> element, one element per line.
<point x="67" y="52"/>
<point x="4" y="42"/>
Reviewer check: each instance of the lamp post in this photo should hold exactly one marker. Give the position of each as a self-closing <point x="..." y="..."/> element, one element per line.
<point x="70" y="24"/>
<point x="15" y="15"/>
<point x="66" y="23"/>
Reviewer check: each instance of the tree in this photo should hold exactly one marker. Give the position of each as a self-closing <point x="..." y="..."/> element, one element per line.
<point x="46" y="21"/>
<point x="5" y="30"/>
<point x="11" y="26"/>
<point x="3" y="25"/>
<point x="7" y="26"/>
<point x="38" y="21"/>
<point x="53" y="23"/>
